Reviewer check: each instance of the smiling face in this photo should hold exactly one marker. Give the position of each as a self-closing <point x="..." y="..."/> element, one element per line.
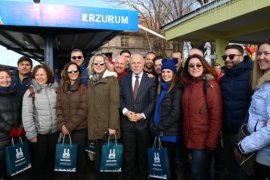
<point x="24" y="67"/>
<point x="236" y="58"/>
<point x="263" y="57"/>
<point x="73" y="73"/>
<point x="195" y="67"/>
<point x="41" y="76"/>
<point x="99" y="65"/>
<point x="120" y="64"/>
<point x="167" y="75"/>
<point x="5" y="79"/>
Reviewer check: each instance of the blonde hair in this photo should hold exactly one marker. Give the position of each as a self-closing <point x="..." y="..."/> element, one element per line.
<point x="92" y="60"/>
<point x="259" y="76"/>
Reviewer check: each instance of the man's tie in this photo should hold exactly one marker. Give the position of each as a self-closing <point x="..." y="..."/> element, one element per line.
<point x="136" y="87"/>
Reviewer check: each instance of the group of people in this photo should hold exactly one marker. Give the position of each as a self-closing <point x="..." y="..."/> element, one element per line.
<point x="183" y="103"/>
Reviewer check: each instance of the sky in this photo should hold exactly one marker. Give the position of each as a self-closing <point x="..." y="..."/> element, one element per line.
<point x="10" y="57"/>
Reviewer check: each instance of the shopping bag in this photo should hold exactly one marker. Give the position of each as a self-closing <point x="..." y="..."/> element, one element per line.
<point x="111" y="156"/>
<point x="158" y="161"/>
<point x="65" y="156"/>
<point x="17" y="157"/>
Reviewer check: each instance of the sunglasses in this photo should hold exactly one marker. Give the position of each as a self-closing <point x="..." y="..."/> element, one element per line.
<point x="72" y="71"/>
<point x="193" y="65"/>
<point x="99" y="63"/>
<point x="76" y="57"/>
<point x="231" y="56"/>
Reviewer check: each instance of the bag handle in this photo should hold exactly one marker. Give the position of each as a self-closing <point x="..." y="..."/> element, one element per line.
<point x="20" y="140"/>
<point x="157" y="139"/>
<point x="63" y="139"/>
<point x="114" y="139"/>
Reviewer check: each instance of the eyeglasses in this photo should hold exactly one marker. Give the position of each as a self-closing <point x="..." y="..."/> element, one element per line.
<point x="99" y="63"/>
<point x="265" y="53"/>
<point x="72" y="71"/>
<point x="76" y="57"/>
<point x="193" y="65"/>
<point x="231" y="56"/>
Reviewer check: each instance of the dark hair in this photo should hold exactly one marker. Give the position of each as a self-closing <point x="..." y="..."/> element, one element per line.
<point x="48" y="71"/>
<point x="6" y="70"/>
<point x="64" y="72"/>
<point x="187" y="78"/>
<point x="25" y="58"/>
<point x="235" y="46"/>
<point x="217" y="64"/>
<point x="125" y="51"/>
<point x="157" y="58"/>
<point x="150" y="52"/>
<point x="173" y="84"/>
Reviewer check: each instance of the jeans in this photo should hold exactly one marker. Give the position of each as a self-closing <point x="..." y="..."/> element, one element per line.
<point x="201" y="161"/>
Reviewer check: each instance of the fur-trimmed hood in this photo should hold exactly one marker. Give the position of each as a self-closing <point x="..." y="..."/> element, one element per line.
<point x="106" y="73"/>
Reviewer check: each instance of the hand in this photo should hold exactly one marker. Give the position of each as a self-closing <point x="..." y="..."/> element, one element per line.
<point x="20" y="132"/>
<point x="149" y="75"/>
<point x="239" y="155"/>
<point x="137" y="117"/>
<point x="130" y="115"/>
<point x="112" y="131"/>
<point x="33" y="140"/>
<point x="65" y="130"/>
<point x="12" y="133"/>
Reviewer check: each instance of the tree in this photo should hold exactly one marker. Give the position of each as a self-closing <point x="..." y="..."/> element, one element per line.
<point x="156" y="13"/>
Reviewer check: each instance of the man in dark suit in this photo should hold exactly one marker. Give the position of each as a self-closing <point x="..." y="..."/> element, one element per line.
<point x="137" y="104"/>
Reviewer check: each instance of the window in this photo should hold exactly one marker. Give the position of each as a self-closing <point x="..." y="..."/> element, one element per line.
<point x="124" y="41"/>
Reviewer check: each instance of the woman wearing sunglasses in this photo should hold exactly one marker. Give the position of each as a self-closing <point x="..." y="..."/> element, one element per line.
<point x="103" y="106"/>
<point x="71" y="111"/>
<point x="202" y="109"/>
<point x="39" y="121"/>
<point x="259" y="113"/>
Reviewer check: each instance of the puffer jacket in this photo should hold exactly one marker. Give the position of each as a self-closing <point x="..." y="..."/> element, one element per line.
<point x="202" y="120"/>
<point x="258" y="125"/>
<point x="39" y="114"/>
<point x="103" y="105"/>
<point x="236" y="92"/>
<point x="10" y="116"/>
<point x="71" y="108"/>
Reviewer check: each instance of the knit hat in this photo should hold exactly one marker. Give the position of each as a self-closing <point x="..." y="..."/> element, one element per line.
<point x="169" y="64"/>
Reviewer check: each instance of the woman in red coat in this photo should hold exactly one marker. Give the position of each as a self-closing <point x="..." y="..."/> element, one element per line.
<point x="202" y="109"/>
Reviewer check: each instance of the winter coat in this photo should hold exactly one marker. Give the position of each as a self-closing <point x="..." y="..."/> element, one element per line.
<point x="202" y="115"/>
<point x="170" y="113"/>
<point x="258" y="125"/>
<point x="71" y="108"/>
<point x="10" y="116"/>
<point x="103" y="105"/>
<point x="236" y="93"/>
<point x="39" y="114"/>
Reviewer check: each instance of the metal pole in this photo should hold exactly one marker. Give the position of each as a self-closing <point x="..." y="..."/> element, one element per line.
<point x="48" y="52"/>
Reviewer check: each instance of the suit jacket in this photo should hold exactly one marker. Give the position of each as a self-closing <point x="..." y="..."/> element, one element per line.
<point x="144" y="102"/>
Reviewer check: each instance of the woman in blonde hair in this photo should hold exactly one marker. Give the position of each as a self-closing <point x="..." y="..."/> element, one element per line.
<point x="103" y="105"/>
<point x="259" y="115"/>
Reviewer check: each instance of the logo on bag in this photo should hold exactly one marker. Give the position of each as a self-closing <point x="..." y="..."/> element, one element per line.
<point x="156" y="157"/>
<point x="19" y="153"/>
<point x="112" y="154"/>
<point x="66" y="154"/>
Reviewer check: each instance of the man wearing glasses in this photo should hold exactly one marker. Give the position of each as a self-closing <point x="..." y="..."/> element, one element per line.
<point x="236" y="96"/>
<point x="78" y="58"/>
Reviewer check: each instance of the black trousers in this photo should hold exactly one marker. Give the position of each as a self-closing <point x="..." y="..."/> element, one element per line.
<point x="43" y="156"/>
<point x="171" y="148"/>
<point x="135" y="144"/>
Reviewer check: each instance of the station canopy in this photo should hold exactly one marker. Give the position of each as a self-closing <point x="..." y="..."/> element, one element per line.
<point x="36" y="30"/>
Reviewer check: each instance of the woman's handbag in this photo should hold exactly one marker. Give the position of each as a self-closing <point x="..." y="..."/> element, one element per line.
<point x="158" y="161"/>
<point x="248" y="164"/>
<point x="17" y="157"/>
<point x="65" y="156"/>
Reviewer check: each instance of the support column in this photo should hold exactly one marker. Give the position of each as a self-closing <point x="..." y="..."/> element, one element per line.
<point x="220" y="46"/>
<point x="48" y="52"/>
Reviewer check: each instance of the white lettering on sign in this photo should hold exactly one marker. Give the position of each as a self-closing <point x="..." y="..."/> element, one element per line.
<point x="101" y="18"/>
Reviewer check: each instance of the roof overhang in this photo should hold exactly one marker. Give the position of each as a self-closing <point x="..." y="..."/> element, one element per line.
<point x="245" y="21"/>
<point x="25" y="26"/>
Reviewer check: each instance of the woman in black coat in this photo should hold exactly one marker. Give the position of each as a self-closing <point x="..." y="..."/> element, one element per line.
<point x="168" y="111"/>
<point x="10" y="115"/>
